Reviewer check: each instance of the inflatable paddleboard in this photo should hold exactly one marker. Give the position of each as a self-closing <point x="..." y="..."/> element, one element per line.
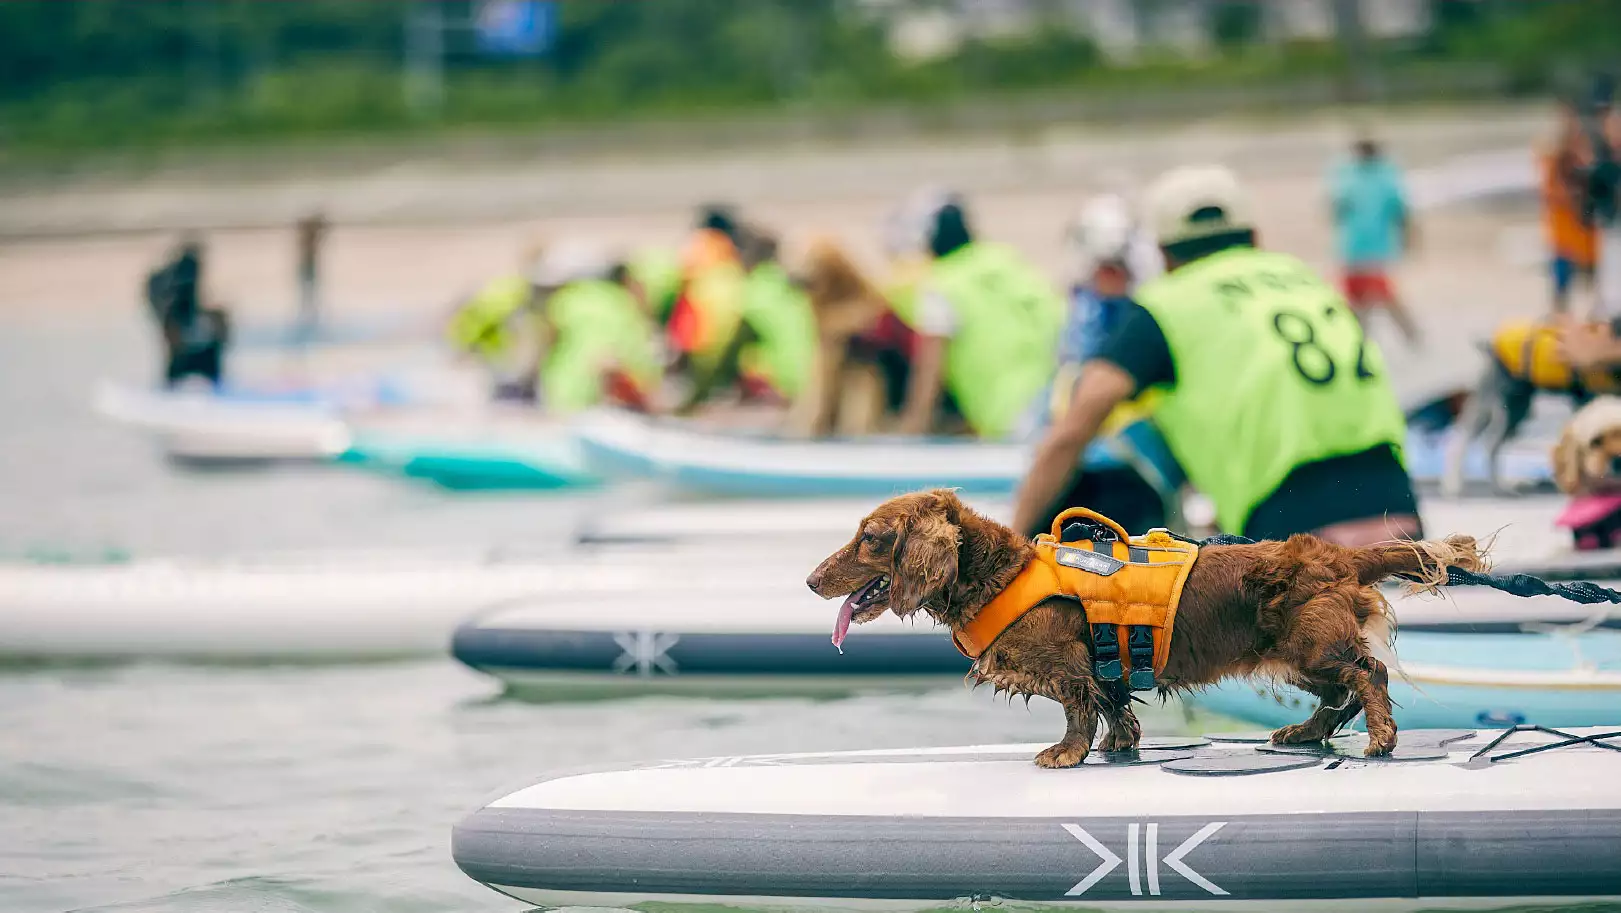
<point x="329" y="607"/>
<point x="759" y="465"/>
<point x="757" y="627"/>
<point x="700" y="639"/>
<point x="540" y="459"/>
<point x="204" y="426"/>
<point x="1466" y="679"/>
<point x="1188" y="823"/>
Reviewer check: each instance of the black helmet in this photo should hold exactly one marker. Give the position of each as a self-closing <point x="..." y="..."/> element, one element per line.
<point x="719" y="217"/>
<point x="932" y="220"/>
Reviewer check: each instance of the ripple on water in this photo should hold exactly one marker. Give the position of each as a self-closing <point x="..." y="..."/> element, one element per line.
<point x="31" y="784"/>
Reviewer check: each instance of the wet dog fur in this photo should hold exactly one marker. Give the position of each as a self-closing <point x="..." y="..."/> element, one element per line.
<point x="1301" y="611"/>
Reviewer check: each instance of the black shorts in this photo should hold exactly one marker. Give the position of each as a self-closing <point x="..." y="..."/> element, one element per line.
<point x="1338" y="490"/>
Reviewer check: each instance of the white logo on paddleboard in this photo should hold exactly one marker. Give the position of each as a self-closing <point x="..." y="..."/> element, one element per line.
<point x="1146" y="848"/>
<point x="645" y="653"/>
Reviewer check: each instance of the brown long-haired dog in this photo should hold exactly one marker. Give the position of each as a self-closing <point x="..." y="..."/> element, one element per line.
<point x="846" y="394"/>
<point x="1304" y="611"/>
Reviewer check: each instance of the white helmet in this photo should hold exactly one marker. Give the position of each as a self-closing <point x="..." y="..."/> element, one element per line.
<point x="1105" y="231"/>
<point x="1197" y="201"/>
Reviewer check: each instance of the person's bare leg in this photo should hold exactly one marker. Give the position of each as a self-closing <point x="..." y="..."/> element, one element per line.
<point x="1358" y="533"/>
<point x="1404" y="321"/>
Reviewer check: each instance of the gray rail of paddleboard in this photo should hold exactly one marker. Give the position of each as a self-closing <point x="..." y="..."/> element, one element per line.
<point x="1228" y="857"/>
<point x="706" y="653"/>
<point x="492" y="647"/>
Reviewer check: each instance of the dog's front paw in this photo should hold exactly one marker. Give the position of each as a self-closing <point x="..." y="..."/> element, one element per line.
<point x="1064" y="754"/>
<point x="1298" y="734"/>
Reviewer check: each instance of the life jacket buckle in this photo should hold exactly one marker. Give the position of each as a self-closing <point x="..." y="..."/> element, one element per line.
<point x="1106" y="665"/>
<point x="1140" y="647"/>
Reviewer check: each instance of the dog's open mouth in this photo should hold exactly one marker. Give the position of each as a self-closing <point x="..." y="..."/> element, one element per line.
<point x="863" y="599"/>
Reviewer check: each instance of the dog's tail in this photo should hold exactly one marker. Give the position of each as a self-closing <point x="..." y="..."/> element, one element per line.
<point x="1423" y="562"/>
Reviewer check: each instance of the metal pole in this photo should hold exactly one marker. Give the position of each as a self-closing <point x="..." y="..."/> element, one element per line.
<point x="1353" y="40"/>
<point x="424" y="59"/>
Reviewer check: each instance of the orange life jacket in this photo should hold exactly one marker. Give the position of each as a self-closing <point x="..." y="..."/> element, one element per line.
<point x="1128" y="587"/>
<point x="1529" y="351"/>
<point x="1569" y="234"/>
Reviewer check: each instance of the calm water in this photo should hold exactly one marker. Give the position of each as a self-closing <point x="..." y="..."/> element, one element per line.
<point x="305" y="789"/>
<point x="165" y="789"/>
<point x="309" y="789"/>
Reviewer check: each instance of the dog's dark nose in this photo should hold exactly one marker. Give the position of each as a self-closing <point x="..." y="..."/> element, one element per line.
<point x="1615" y="466"/>
<point x="814" y="581"/>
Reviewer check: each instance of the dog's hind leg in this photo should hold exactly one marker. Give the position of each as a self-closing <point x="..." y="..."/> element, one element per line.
<point x="1514" y="406"/>
<point x="1346" y="688"/>
<point x="1324" y="645"/>
<point x="1124" y="730"/>
<point x="1336" y="707"/>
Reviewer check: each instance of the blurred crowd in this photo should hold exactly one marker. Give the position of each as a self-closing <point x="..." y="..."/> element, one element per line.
<point x="962" y="335"/>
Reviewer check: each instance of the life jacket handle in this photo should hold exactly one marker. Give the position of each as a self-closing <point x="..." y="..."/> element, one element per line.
<point x="1090" y="515"/>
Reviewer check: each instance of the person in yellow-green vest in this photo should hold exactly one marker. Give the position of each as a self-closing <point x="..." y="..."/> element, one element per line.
<point x="987" y="326"/>
<point x="496" y="327"/>
<point x="597" y="342"/>
<point x="653" y="275"/>
<point x="773" y="349"/>
<point x="569" y="332"/>
<point x="705" y="316"/>
<point x="1271" y="399"/>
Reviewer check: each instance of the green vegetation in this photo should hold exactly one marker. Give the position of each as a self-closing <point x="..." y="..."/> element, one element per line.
<point x="95" y="75"/>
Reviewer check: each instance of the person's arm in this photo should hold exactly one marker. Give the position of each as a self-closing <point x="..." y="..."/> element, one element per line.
<point x="1402" y="211"/>
<point x="936" y="322"/>
<point x="1405" y="223"/>
<point x="923" y="386"/>
<point x="1588" y="347"/>
<point x="1102" y="386"/>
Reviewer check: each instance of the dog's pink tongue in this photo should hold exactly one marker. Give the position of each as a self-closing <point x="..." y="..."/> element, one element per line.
<point x="841" y="625"/>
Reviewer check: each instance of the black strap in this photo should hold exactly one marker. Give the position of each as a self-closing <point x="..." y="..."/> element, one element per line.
<point x="1106" y="653"/>
<point x="1140" y="647"/>
<point x="1582" y="592"/>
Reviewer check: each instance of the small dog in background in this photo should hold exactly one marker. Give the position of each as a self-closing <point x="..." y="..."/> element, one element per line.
<point x="1303" y="611"/>
<point x="1587" y="466"/>
<point x="849" y="390"/>
<point x="1523" y="359"/>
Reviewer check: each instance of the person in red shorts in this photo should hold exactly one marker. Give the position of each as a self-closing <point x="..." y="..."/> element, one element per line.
<point x="1373" y="227"/>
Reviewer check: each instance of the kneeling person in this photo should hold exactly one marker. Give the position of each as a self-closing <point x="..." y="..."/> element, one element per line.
<point x="1271" y="399"/>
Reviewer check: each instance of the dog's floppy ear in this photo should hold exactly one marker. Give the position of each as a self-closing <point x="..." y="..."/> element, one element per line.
<point x="925" y="561"/>
<point x="1567" y="462"/>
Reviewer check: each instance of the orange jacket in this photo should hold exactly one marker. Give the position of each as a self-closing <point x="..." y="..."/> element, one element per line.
<point x="1568" y="235"/>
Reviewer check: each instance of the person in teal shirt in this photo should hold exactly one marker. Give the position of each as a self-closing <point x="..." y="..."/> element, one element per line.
<point x="1373" y="228"/>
